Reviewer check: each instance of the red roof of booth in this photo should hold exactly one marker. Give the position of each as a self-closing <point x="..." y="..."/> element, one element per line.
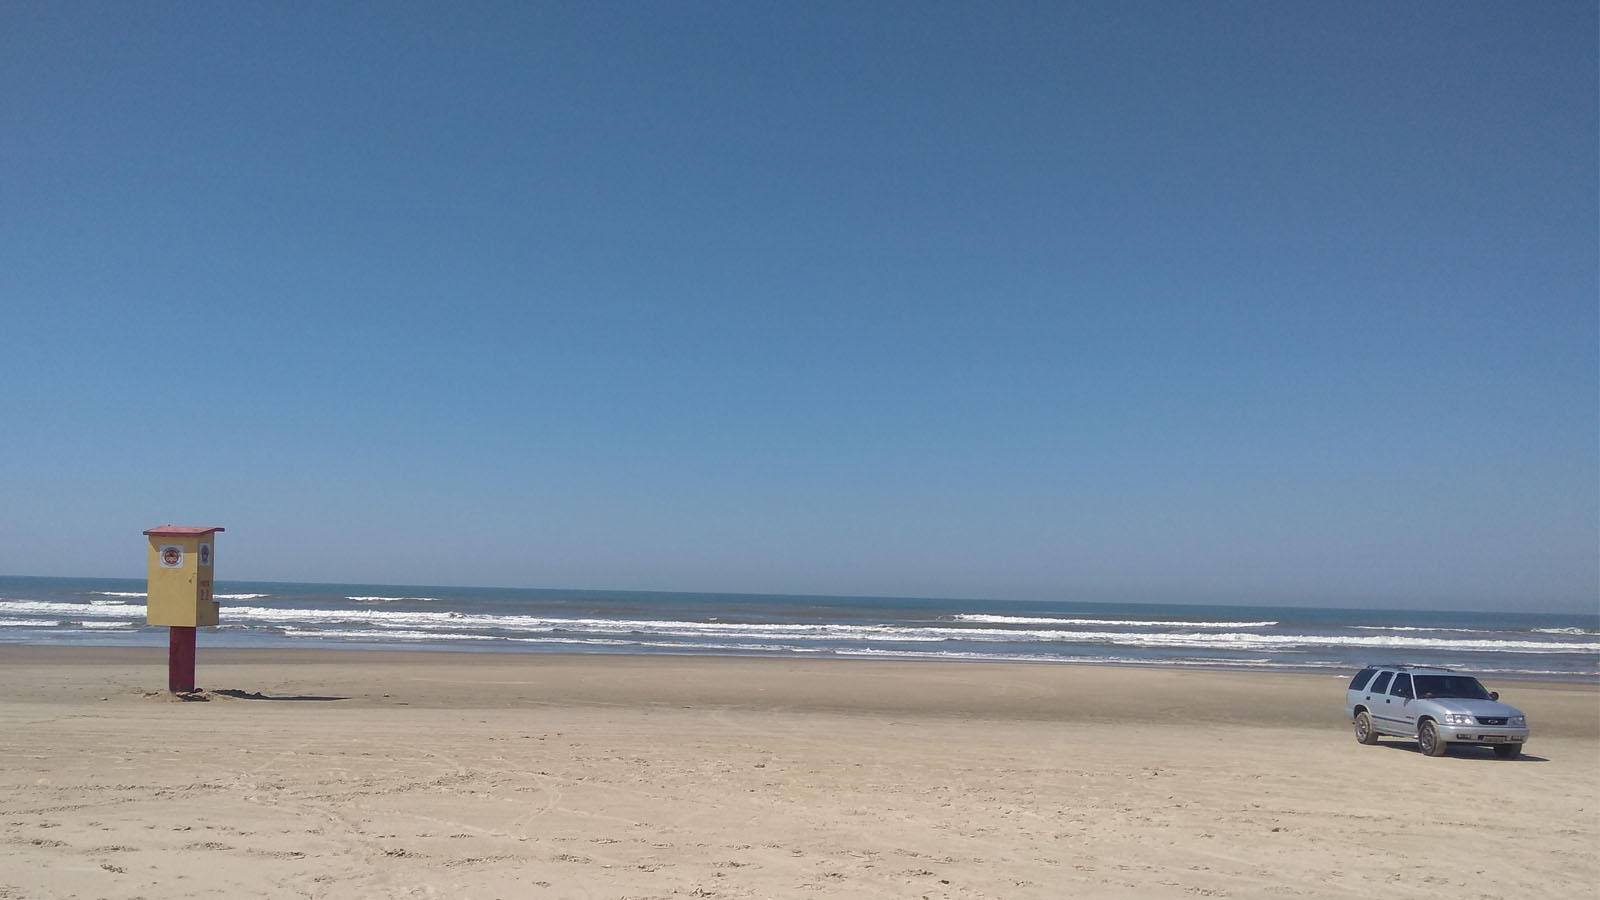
<point x="180" y="530"/>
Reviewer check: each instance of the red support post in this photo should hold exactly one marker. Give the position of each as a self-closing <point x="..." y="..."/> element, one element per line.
<point x="180" y="659"/>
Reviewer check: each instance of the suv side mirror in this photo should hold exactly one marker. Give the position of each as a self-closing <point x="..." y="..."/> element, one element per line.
<point x="1494" y="695"/>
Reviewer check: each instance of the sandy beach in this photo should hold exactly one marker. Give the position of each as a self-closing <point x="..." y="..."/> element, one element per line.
<point x="349" y="774"/>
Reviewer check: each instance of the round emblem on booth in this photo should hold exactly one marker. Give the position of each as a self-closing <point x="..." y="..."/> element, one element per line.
<point x="171" y="556"/>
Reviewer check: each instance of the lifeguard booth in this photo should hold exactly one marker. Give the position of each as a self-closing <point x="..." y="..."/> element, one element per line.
<point x="179" y="593"/>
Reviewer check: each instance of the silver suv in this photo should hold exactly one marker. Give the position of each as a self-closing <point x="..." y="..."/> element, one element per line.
<point x="1437" y="707"/>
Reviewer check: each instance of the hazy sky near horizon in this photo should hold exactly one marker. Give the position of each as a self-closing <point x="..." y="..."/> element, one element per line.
<point x="1252" y="302"/>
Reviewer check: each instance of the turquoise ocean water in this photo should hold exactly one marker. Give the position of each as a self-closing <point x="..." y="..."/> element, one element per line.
<point x="110" y="612"/>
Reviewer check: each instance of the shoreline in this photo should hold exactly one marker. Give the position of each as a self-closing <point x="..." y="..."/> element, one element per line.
<point x="1549" y="678"/>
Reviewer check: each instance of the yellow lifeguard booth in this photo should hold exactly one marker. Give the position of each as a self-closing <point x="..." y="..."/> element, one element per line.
<point x="179" y="594"/>
<point x="180" y="581"/>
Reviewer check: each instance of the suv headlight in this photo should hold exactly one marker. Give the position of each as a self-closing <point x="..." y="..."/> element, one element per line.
<point x="1458" y="719"/>
<point x="1519" y="721"/>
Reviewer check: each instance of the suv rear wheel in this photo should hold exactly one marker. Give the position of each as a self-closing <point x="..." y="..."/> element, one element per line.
<point x="1428" y="738"/>
<point x="1365" y="733"/>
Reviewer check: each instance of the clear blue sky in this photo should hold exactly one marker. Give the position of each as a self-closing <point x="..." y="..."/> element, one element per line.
<point x="1260" y="302"/>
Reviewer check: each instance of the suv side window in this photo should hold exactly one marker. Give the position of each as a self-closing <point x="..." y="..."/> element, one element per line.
<point x="1402" y="686"/>
<point x="1382" y="684"/>
<point x="1361" y="679"/>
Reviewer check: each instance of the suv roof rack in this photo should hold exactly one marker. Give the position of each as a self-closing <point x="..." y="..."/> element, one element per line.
<point x="1406" y="666"/>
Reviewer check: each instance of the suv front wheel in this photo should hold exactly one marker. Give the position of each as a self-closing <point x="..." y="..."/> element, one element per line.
<point x="1428" y="739"/>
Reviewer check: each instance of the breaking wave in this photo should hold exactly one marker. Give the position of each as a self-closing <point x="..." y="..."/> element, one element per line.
<point x="1125" y="623"/>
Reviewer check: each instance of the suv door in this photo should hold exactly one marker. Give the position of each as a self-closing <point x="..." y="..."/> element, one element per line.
<point x="1380" y="706"/>
<point x="1400" y="704"/>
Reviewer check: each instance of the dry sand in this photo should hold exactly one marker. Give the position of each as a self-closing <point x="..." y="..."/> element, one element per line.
<point x="539" y="776"/>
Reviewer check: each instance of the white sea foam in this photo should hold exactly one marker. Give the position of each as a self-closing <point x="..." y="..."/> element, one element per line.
<point x="119" y="593"/>
<point x="385" y="635"/>
<point x="1122" y="623"/>
<point x="597" y="642"/>
<point x="393" y="599"/>
<point x="647" y="630"/>
<point x="1419" y="628"/>
<point x="239" y="596"/>
<point x="1442" y="630"/>
<point x="45" y="607"/>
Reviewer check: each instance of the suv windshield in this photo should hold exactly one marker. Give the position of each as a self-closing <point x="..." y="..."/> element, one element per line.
<point x="1461" y="686"/>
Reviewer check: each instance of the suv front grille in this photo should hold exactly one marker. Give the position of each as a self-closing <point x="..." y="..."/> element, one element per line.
<point x="1486" y="721"/>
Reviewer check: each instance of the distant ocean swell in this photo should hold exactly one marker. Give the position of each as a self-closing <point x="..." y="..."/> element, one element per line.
<point x="141" y="595"/>
<point x="67" y="611"/>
